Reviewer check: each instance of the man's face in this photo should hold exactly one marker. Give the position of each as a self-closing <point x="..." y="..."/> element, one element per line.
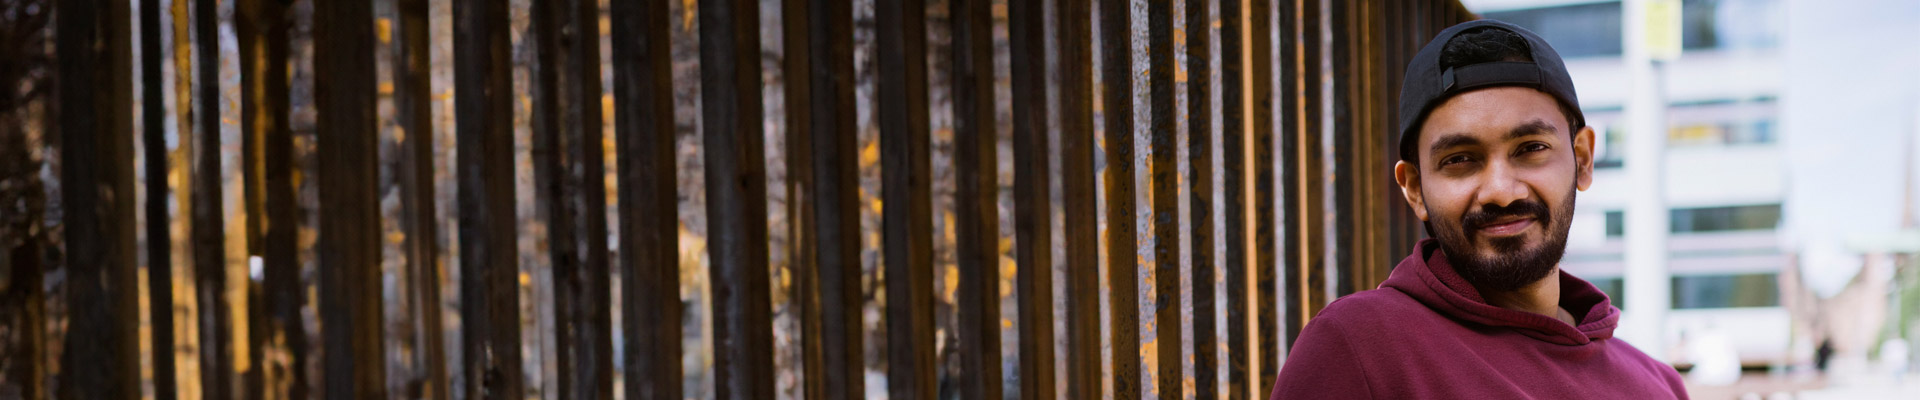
<point x="1495" y="181"/>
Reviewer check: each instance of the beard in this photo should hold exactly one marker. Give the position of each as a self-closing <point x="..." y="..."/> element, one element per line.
<point x="1513" y="263"/>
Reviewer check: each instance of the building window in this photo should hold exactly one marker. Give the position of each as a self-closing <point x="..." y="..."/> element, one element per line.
<point x="1726" y="291"/>
<point x="1616" y="223"/>
<point x="1594" y="29"/>
<point x="1574" y="31"/>
<point x="1722" y="219"/>
<point x="1614" y="287"/>
<point x="1613" y="148"/>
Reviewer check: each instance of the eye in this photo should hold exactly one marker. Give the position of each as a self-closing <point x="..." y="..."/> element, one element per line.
<point x="1533" y="147"/>
<point x="1455" y="159"/>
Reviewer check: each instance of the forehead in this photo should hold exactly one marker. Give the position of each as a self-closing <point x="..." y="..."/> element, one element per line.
<point x="1489" y="114"/>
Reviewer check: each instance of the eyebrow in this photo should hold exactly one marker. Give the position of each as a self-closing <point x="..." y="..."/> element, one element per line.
<point x="1530" y="128"/>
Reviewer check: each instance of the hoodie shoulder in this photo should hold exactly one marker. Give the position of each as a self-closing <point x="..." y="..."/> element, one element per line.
<point x="1377" y="306"/>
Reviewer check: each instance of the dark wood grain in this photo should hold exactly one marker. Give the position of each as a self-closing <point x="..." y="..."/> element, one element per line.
<point x="906" y="221"/>
<point x="976" y="198"/>
<point x="1032" y="204"/>
<point x="1200" y="199"/>
<point x="349" y="232"/>
<point x="483" y="119"/>
<point x="649" y="237"/>
<point x="95" y="130"/>
<point x="1078" y="199"/>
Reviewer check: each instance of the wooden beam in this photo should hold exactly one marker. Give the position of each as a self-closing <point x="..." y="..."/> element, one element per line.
<point x="1305" y="244"/>
<point x="1233" y="174"/>
<point x="1123" y="286"/>
<point x="649" y="235"/>
<point x="349" y="242"/>
<point x="285" y="294"/>
<point x="1032" y="212"/>
<point x="1200" y="200"/>
<point x="96" y="176"/>
<point x="1347" y="206"/>
<point x="594" y="296"/>
<point x="976" y="199"/>
<point x="907" y="221"/>
<point x="796" y="70"/>
<point x="553" y="185"/>
<point x="1375" y="262"/>
<point x="159" y="228"/>
<point x="413" y="107"/>
<point x="1163" y="172"/>
<point x="1261" y="100"/>
<point x="1078" y="200"/>
<point x="261" y="27"/>
<point x="209" y="223"/>
<point x="1405" y="227"/>
<point x="736" y="198"/>
<point x="483" y="96"/>
<point x="833" y="144"/>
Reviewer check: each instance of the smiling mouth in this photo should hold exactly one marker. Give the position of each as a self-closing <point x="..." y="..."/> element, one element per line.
<point x="1507" y="228"/>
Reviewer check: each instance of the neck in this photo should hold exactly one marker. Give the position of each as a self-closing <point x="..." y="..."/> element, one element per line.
<point x="1540" y="297"/>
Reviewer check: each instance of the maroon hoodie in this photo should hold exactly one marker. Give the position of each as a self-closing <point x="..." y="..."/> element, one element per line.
<point x="1427" y="334"/>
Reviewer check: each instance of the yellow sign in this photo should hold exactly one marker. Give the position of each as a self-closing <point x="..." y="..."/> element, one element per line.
<point x="1663" y="29"/>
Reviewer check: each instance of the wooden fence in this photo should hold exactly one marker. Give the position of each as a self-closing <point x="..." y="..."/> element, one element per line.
<point x="1294" y="100"/>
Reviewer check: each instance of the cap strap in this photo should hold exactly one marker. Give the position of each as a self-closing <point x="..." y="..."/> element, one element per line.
<point x="1489" y="74"/>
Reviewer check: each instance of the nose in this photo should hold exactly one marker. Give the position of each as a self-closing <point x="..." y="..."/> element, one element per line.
<point x="1501" y="185"/>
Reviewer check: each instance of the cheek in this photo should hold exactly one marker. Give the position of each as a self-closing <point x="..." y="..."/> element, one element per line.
<point x="1552" y="182"/>
<point x="1447" y="201"/>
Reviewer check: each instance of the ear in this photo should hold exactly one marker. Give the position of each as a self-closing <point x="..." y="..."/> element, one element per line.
<point x="1408" y="175"/>
<point x="1583" y="158"/>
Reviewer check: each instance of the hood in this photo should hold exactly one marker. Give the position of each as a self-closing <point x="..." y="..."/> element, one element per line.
<point x="1426" y="276"/>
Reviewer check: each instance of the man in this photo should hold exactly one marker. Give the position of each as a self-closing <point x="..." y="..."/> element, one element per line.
<point x="1492" y="153"/>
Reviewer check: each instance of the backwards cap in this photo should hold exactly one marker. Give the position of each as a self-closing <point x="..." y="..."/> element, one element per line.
<point x="1427" y="84"/>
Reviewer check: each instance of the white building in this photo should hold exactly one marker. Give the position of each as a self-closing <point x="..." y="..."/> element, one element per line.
<point x="1730" y="176"/>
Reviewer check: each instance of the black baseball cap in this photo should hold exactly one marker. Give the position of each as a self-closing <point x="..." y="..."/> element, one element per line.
<point x="1427" y="84"/>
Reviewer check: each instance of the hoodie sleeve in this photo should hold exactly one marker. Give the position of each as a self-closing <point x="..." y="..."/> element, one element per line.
<point x="1322" y="365"/>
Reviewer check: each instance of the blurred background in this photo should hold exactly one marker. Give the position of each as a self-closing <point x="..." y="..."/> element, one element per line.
<point x="1788" y="176"/>
<point x="1754" y="209"/>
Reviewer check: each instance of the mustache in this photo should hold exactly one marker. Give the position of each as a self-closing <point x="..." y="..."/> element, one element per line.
<point x="1519" y="208"/>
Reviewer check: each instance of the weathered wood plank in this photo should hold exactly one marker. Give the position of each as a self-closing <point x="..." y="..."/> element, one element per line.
<point x="906" y="222"/>
<point x="1032" y="219"/>
<point x="1347" y="206"/>
<point x="261" y="27"/>
<point x="1305" y="267"/>
<point x="553" y="184"/>
<point x="1200" y="199"/>
<point x="1262" y="101"/>
<point x="976" y="199"/>
<point x="159" y="228"/>
<point x="593" y="318"/>
<point x="208" y="230"/>
<point x="489" y="308"/>
<point x="1078" y="200"/>
<point x="349" y="234"/>
<point x="649" y="236"/>
<point x="796" y="69"/>
<point x="413" y="107"/>
<point x="736" y="198"/>
<point x="285" y="294"/>
<point x="1123" y="278"/>
<point x="834" y="145"/>
<point x="1163" y="173"/>
<point x="96" y="179"/>
<point x="1233" y="174"/>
